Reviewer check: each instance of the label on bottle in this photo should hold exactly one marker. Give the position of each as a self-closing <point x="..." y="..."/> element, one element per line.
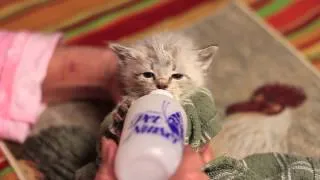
<point x="159" y="123"/>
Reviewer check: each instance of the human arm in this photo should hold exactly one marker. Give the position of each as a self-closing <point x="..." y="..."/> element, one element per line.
<point x="80" y="72"/>
<point x="35" y="70"/>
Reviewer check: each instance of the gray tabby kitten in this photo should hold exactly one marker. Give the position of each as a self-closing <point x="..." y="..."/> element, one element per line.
<point x="164" y="61"/>
<point x="59" y="152"/>
<point x="64" y="139"/>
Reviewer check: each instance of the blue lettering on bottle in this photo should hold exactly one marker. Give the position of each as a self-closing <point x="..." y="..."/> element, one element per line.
<point x="174" y="122"/>
<point x="149" y="123"/>
<point x="164" y="133"/>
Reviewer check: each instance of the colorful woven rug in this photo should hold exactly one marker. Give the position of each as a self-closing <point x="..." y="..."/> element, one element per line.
<point x="6" y="171"/>
<point x="13" y="169"/>
<point x="97" y="21"/>
<point x="297" y="20"/>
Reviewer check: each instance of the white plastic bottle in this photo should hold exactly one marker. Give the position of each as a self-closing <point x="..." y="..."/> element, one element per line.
<point x="152" y="140"/>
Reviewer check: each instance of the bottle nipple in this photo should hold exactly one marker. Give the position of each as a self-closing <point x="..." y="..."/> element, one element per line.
<point x="162" y="92"/>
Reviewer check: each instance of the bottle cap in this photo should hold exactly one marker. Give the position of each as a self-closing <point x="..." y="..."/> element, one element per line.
<point x="162" y="92"/>
<point x="145" y="169"/>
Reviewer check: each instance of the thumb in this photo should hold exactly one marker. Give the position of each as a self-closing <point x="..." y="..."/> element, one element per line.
<point x="207" y="153"/>
<point x="108" y="154"/>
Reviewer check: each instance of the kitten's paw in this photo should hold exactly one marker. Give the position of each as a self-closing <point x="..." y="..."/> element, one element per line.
<point x="120" y="112"/>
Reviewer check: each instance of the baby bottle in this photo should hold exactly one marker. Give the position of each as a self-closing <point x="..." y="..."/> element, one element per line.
<point x="152" y="139"/>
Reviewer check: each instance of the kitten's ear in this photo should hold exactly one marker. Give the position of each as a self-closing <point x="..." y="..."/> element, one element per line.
<point x="123" y="52"/>
<point x="206" y="56"/>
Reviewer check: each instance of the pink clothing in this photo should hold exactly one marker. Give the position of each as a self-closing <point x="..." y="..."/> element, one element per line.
<point x="24" y="59"/>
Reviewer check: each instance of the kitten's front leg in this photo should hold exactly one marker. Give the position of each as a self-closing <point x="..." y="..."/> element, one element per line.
<point x="113" y="131"/>
<point x="119" y="115"/>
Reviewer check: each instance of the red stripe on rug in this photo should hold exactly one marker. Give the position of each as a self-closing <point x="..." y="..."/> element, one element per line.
<point x="4" y="3"/>
<point x="303" y="24"/>
<point x="4" y="164"/>
<point x="309" y="43"/>
<point x="29" y="10"/>
<point x="259" y="4"/>
<point x="96" y="16"/>
<point x="137" y="22"/>
<point x="316" y="63"/>
<point x="292" y="12"/>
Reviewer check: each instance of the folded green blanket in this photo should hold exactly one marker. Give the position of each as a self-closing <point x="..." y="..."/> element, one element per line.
<point x="264" y="166"/>
<point x="203" y="125"/>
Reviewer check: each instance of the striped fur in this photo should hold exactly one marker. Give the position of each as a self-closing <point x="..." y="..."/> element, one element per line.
<point x="59" y="151"/>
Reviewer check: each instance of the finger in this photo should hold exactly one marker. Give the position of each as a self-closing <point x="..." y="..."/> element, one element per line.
<point x="198" y="175"/>
<point x="206" y="153"/>
<point x="108" y="152"/>
<point x="187" y="175"/>
<point x="192" y="155"/>
<point x="189" y="151"/>
<point x="191" y="159"/>
<point x="202" y="176"/>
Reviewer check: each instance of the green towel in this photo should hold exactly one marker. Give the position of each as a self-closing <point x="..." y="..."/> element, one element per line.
<point x="203" y="124"/>
<point x="203" y="119"/>
<point x="272" y="166"/>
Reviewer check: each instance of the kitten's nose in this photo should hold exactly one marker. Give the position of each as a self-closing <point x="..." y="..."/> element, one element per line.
<point x="162" y="84"/>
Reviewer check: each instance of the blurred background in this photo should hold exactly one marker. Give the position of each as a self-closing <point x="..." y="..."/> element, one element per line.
<point x="96" y="21"/>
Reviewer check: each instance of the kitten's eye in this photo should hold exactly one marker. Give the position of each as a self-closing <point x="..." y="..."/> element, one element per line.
<point x="177" y="76"/>
<point x="148" y="74"/>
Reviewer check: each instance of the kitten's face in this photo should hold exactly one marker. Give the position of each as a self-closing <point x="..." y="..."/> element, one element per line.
<point x="161" y="63"/>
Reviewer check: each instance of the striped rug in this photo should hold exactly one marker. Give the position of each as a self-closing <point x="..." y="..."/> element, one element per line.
<point x="6" y="171"/>
<point x="96" y="21"/>
<point x="297" y="20"/>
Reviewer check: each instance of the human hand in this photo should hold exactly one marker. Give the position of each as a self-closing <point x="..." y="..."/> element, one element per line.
<point x="189" y="169"/>
<point x="192" y="163"/>
<point x="81" y="72"/>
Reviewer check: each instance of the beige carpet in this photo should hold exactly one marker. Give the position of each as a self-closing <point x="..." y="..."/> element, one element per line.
<point x="251" y="54"/>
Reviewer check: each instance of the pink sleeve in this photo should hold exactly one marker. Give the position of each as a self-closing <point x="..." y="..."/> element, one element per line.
<point x="24" y="59"/>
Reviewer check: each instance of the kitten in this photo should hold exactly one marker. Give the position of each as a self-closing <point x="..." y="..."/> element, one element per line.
<point x="166" y="61"/>
<point x="64" y="138"/>
<point x="58" y="152"/>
